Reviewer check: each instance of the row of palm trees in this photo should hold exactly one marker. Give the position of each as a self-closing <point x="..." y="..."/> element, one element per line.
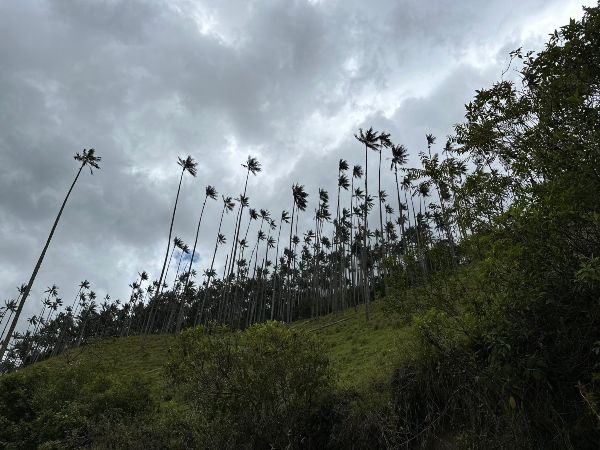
<point x="267" y="274"/>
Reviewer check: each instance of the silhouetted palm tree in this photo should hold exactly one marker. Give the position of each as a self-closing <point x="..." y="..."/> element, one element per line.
<point x="252" y="166"/>
<point x="285" y="218"/>
<point x="369" y="139"/>
<point x="187" y="165"/>
<point x="228" y="206"/>
<point x="11" y="306"/>
<point x="87" y="158"/>
<point x="399" y="158"/>
<point x="210" y="192"/>
<point x="384" y="142"/>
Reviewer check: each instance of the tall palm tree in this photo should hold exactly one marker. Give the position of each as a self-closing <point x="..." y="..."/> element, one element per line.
<point x="87" y="158"/>
<point x="343" y="183"/>
<point x="136" y="290"/>
<point x="9" y="305"/>
<point x="285" y="217"/>
<point x="85" y="284"/>
<point x="357" y="173"/>
<point x="228" y="206"/>
<point x="210" y="192"/>
<point x="187" y="165"/>
<point x="177" y="244"/>
<point x="185" y="250"/>
<point x="370" y="140"/>
<point x="300" y="197"/>
<point x="399" y="158"/>
<point x="252" y="166"/>
<point x="384" y="142"/>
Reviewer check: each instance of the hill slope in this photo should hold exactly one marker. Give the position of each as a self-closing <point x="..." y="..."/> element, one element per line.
<point x="360" y="352"/>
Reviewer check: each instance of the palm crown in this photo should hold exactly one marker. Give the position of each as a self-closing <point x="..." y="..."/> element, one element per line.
<point x="89" y="158"/>
<point x="188" y="164"/>
<point x="252" y="165"/>
<point x="369" y="138"/>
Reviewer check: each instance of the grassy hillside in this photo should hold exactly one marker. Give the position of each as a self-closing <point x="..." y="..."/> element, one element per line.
<point x="139" y="392"/>
<point x="360" y="352"/>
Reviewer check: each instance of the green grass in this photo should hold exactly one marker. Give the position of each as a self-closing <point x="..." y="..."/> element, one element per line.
<point x="360" y="352"/>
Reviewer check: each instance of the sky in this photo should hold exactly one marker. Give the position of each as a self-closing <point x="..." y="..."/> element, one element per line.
<point x="286" y="81"/>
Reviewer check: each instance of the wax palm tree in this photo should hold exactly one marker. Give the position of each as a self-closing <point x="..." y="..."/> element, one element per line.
<point x="370" y="140"/>
<point x="185" y="250"/>
<point x="384" y="142"/>
<point x="228" y="205"/>
<point x="11" y="307"/>
<point x="252" y="166"/>
<point x="407" y="186"/>
<point x="253" y="215"/>
<point x="190" y="166"/>
<point x="87" y="158"/>
<point x="177" y="244"/>
<point x="285" y="218"/>
<point x="357" y="174"/>
<point x="399" y="158"/>
<point x="343" y="183"/>
<point x="85" y="284"/>
<point x="300" y="203"/>
<point x="210" y="192"/>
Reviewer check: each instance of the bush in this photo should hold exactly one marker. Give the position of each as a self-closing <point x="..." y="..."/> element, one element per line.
<point x="67" y="407"/>
<point x="259" y="388"/>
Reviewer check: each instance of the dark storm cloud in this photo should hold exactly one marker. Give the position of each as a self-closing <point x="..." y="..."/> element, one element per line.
<point x="287" y="81"/>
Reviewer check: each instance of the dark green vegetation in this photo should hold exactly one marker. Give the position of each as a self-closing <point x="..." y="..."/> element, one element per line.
<point x="486" y="334"/>
<point x="207" y="388"/>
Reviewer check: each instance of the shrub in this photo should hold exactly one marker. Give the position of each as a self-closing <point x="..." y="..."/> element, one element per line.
<point x="68" y="406"/>
<point x="258" y="388"/>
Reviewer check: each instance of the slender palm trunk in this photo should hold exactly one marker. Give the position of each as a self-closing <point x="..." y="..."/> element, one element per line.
<point x="399" y="203"/>
<point x="365" y="226"/>
<point x="381" y="243"/>
<point x="275" y="275"/>
<point x="238" y="225"/>
<point x="6" y="341"/>
<point x="7" y="322"/>
<point x="288" y="299"/>
<point x="187" y="279"/>
<point x="162" y="272"/>
<point x="352" y="271"/>
<point x="212" y="263"/>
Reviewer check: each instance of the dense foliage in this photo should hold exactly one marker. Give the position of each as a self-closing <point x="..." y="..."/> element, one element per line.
<point x="510" y="340"/>
<point x="253" y="389"/>
<point x="258" y="388"/>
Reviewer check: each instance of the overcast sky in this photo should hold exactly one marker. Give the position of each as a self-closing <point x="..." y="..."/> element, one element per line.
<point x="286" y="81"/>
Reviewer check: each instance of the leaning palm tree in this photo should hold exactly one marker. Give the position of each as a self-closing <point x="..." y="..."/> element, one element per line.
<point x="228" y="206"/>
<point x="85" y="284"/>
<point x="210" y="192"/>
<point x="187" y="165"/>
<point x="369" y="139"/>
<point x="177" y="244"/>
<point x="252" y="165"/>
<point x="9" y="305"/>
<point x="87" y="158"/>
